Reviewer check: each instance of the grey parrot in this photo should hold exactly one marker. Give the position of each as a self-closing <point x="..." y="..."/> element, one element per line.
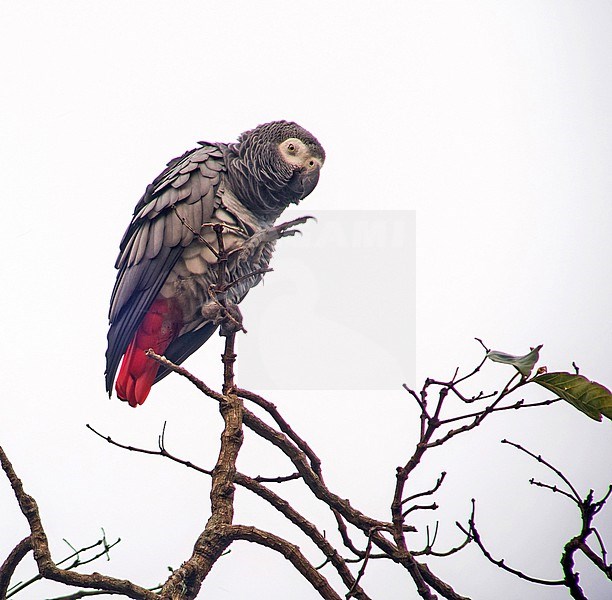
<point x="163" y="298"/>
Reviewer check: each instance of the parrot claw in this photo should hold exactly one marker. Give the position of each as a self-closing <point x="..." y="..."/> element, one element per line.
<point x="232" y="320"/>
<point x="284" y="229"/>
<point x="229" y="317"/>
<point x="253" y="247"/>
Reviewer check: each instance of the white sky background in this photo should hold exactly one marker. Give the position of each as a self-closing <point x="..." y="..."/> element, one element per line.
<point x="491" y="120"/>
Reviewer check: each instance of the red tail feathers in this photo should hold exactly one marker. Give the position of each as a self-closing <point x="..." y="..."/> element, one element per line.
<point x="160" y="326"/>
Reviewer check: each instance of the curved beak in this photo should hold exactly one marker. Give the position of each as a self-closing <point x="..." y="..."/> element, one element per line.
<point x="304" y="182"/>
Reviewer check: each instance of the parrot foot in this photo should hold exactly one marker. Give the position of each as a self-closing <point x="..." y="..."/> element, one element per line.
<point x="229" y="317"/>
<point x="254" y="246"/>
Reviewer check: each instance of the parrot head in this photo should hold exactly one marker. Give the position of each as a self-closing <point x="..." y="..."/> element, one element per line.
<point x="274" y="165"/>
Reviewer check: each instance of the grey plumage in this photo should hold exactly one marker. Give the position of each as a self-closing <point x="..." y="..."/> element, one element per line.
<point x="246" y="184"/>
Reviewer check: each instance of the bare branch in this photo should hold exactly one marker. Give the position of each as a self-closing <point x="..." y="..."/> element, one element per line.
<point x="352" y="593"/>
<point x="576" y="495"/>
<point x="307" y="527"/>
<point x="162" y="360"/>
<point x="10" y="564"/>
<point x="452" y="386"/>
<point x="432" y="506"/>
<point x="602" y="546"/>
<point x="567" y="563"/>
<point x="421" y="400"/>
<point x="83" y="594"/>
<point x="475" y="370"/>
<point x="473" y="533"/>
<point x="480" y="416"/>
<point x="290" y="551"/>
<point x="440" y="586"/>
<point x="272" y="410"/>
<point x="552" y="488"/>
<point x="280" y="479"/>
<point x="104" y="552"/>
<point x="254" y="485"/>
<point x="419" y="576"/>
<point x="46" y="567"/>
<point x="320" y="490"/>
<point x="434" y="489"/>
<point x="517" y="405"/>
<point x="588" y="510"/>
<point x="429" y="551"/>
<point x="161" y="452"/>
<point x="346" y="538"/>
<point x="600" y="503"/>
<point x="88" y="593"/>
<point x="487" y="350"/>
<point x="212" y="542"/>
<point x="315" y="462"/>
<point x="312" y="480"/>
<point x="596" y="560"/>
<point x="77" y="562"/>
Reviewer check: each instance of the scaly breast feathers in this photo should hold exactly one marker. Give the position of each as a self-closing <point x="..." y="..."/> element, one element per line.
<point x="191" y="281"/>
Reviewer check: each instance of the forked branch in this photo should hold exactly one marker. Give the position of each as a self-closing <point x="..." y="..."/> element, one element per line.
<point x="40" y="546"/>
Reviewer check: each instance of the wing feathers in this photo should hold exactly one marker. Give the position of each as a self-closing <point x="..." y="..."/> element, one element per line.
<point x="140" y="244"/>
<point x="155" y="240"/>
<point x="214" y="164"/>
<point x="180" y="180"/>
<point x="190" y="166"/>
<point x="167" y="198"/>
<point x="195" y="185"/>
<point x="204" y="170"/>
<point x="197" y="215"/>
<point x="172" y="229"/>
<point x="186" y="237"/>
<point x="187" y="191"/>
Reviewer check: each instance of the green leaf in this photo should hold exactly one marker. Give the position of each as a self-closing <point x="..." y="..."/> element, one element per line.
<point x="592" y="398"/>
<point x="524" y="364"/>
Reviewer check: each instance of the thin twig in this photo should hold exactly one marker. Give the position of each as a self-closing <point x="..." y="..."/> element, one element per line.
<point x="432" y="506"/>
<point x="576" y="495"/>
<point x="473" y="533"/>
<point x="75" y="563"/>
<point x="434" y="489"/>
<point x="351" y="593"/>
<point x="552" y="488"/>
<point x="161" y="452"/>
<point x="254" y="484"/>
<point x="517" y="405"/>
<point x="602" y="547"/>
<point x="429" y="551"/>
<point x="280" y="479"/>
<point x="47" y="568"/>
<point x="478" y="417"/>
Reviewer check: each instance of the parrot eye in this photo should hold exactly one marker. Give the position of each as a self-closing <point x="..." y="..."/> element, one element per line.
<point x="291" y="148"/>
